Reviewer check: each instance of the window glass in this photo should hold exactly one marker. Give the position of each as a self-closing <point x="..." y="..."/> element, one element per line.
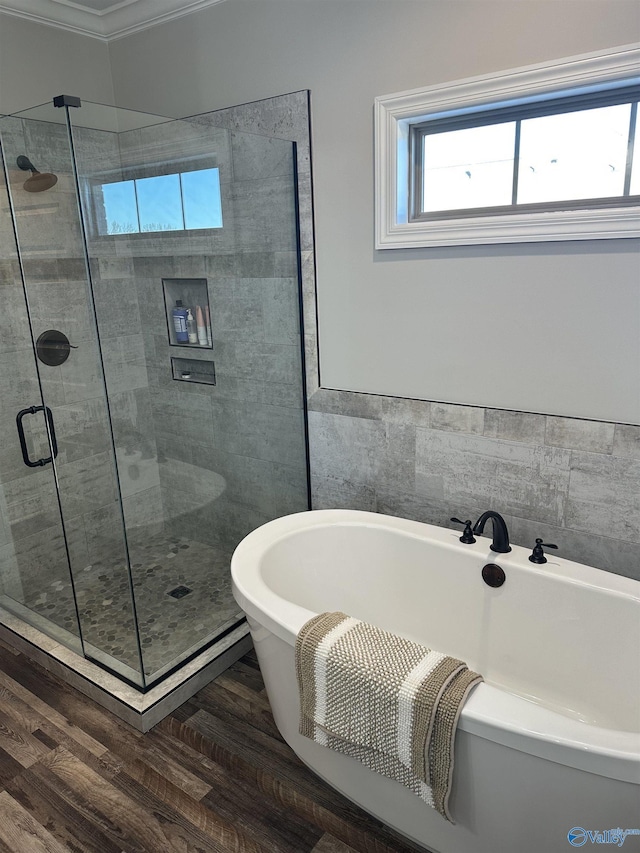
<point x="201" y="199"/>
<point x="120" y="208"/>
<point x="573" y="155"/>
<point x="173" y="202"/>
<point x="468" y="168"/>
<point x="160" y="203"/>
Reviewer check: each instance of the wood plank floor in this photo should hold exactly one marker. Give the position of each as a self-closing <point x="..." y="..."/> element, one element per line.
<point x="213" y="777"/>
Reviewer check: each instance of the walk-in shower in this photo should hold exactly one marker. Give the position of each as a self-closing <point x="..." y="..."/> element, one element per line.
<point x="151" y="376"/>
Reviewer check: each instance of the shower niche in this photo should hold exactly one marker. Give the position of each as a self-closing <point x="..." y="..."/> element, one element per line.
<point x="199" y="371"/>
<point x="188" y="312"/>
<point x="165" y="461"/>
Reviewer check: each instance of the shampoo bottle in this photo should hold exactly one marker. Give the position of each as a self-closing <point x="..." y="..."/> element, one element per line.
<point x="202" y="332"/>
<point x="179" y="315"/>
<point x="192" y="332"/>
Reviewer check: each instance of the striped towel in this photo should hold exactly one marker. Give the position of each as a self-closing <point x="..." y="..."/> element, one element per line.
<point x="387" y="702"/>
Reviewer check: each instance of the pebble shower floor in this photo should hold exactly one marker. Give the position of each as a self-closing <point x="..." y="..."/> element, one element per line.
<point x="169" y="626"/>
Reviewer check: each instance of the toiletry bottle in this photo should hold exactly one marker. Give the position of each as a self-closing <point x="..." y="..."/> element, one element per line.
<point x="192" y="331"/>
<point x="207" y="320"/>
<point x="202" y="332"/>
<point x="179" y="315"/>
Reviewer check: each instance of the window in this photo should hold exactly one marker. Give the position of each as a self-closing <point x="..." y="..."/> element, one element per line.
<point x="181" y="201"/>
<point x="544" y="153"/>
<point x="564" y="152"/>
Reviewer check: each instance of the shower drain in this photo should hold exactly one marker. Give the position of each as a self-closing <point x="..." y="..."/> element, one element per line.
<point x="179" y="592"/>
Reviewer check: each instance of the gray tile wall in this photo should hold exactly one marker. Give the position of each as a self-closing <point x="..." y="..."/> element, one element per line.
<point x="429" y="462"/>
<point x="286" y="117"/>
<point x="29" y="525"/>
<point x="231" y="456"/>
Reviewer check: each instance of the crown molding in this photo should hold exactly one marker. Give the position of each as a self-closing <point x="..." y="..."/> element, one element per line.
<point x="117" y="21"/>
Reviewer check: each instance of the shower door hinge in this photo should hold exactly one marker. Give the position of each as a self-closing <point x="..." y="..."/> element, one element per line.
<point x="66" y="101"/>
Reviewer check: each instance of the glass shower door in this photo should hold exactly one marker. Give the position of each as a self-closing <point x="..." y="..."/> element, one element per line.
<point x="35" y="579"/>
<point x="84" y="490"/>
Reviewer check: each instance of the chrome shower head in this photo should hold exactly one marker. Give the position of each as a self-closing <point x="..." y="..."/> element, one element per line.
<point x="39" y="181"/>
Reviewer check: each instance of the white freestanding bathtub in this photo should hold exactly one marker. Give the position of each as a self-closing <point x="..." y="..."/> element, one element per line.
<point x="547" y="748"/>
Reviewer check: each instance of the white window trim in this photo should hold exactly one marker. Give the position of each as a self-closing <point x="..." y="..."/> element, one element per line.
<point x="394" y="114"/>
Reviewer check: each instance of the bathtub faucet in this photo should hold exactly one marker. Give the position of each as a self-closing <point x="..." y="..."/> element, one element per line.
<point x="500" y="542"/>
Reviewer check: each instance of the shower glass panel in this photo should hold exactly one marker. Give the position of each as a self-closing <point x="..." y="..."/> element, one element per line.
<point x="53" y="260"/>
<point x="33" y="543"/>
<point x="181" y="427"/>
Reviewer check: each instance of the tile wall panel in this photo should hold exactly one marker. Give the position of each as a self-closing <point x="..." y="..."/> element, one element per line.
<point x="437" y="462"/>
<point x="229" y="455"/>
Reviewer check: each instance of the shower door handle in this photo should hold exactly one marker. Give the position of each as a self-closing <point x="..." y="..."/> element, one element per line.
<point x="23" y="442"/>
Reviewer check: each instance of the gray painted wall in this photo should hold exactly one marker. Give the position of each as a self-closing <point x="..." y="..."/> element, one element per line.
<point x="38" y="62"/>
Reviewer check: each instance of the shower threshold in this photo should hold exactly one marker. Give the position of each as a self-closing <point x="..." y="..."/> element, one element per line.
<point x="141" y="710"/>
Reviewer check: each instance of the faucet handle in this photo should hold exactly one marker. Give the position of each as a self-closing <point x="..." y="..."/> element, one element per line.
<point x="537" y="555"/>
<point x="467" y="536"/>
